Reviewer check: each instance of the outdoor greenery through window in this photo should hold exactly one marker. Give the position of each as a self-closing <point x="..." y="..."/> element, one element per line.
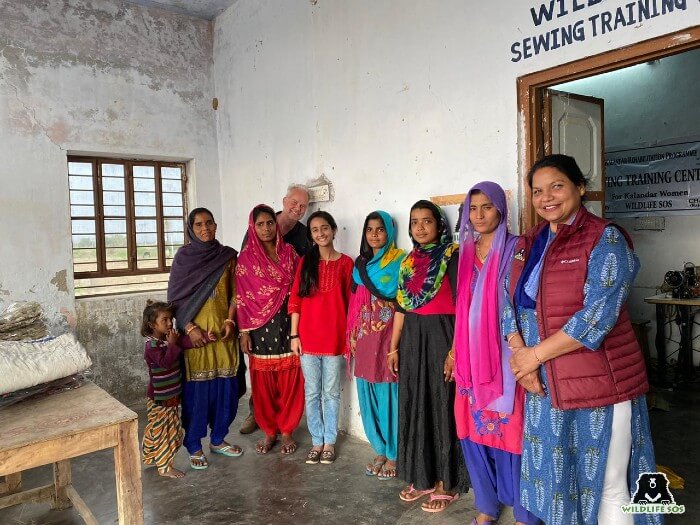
<point x="127" y="222"/>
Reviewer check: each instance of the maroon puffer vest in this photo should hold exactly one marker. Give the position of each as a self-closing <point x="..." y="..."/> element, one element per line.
<point x="583" y="378"/>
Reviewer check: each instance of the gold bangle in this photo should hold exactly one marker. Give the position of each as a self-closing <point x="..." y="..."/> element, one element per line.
<point x="536" y="357"/>
<point x="394" y="352"/>
<point x="187" y="331"/>
<point x="451" y="354"/>
<point x="230" y="321"/>
<point x="511" y="336"/>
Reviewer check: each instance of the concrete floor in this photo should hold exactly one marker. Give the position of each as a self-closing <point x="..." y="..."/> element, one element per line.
<point x="280" y="490"/>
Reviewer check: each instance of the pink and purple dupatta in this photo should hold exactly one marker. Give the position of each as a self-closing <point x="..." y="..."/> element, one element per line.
<point x="481" y="353"/>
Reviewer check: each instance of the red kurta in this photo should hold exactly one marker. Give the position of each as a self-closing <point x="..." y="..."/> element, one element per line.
<point x="322" y="315"/>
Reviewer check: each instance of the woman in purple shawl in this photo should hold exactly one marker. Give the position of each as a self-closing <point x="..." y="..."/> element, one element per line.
<point x="202" y="291"/>
<point x="489" y="403"/>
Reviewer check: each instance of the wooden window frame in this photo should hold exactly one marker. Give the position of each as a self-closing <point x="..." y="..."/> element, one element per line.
<point x="531" y="89"/>
<point x="130" y="218"/>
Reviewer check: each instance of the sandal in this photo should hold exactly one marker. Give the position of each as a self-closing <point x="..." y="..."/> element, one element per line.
<point x="440" y="497"/>
<point x="202" y="464"/>
<point x="289" y="446"/>
<point x="373" y="469"/>
<point x="387" y="472"/>
<point x="489" y="522"/>
<point x="265" y="445"/>
<point x="413" y="494"/>
<point x="327" y="456"/>
<point x="231" y="451"/>
<point x="313" y="456"/>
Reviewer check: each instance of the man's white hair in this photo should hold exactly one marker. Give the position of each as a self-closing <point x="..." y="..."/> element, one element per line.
<point x="294" y="186"/>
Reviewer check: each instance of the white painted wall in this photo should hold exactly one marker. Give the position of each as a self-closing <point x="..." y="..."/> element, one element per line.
<point x="99" y="77"/>
<point x="393" y="101"/>
<point x="646" y="105"/>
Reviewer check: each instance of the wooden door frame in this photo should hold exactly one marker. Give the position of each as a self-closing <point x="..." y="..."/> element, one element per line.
<point x="531" y="89"/>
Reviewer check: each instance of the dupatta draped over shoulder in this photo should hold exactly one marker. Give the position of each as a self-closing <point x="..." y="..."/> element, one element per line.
<point x="196" y="269"/>
<point x="262" y="285"/>
<point x="424" y="268"/>
<point x="481" y="353"/>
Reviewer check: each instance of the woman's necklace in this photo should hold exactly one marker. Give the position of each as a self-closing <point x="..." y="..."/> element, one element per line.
<point x="482" y="258"/>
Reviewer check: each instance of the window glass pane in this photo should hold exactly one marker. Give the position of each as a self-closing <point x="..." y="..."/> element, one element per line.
<point x="80" y="168"/>
<point x="171" y="185"/>
<point x="145" y="211"/>
<point x="82" y="211"/>
<point x="168" y="263"/>
<point x="84" y="241"/>
<point x="173" y="225"/>
<point x="111" y="198"/>
<point x="172" y="199"/>
<point x="143" y="264"/>
<point x="116" y="254"/>
<point x="148" y="172"/>
<point x="175" y="239"/>
<point x="112" y="184"/>
<point x="112" y="170"/>
<point x="82" y="226"/>
<point x="84" y="255"/>
<point x="80" y="183"/>
<point x="120" y="265"/>
<point x="173" y="211"/>
<point x="146" y="239"/>
<point x="116" y="240"/>
<point x="144" y="185"/>
<point x="145" y="199"/>
<point x="85" y="267"/>
<point x="115" y="226"/>
<point x="81" y="197"/>
<point x="115" y="211"/>
<point x="167" y="172"/>
<point x="145" y="226"/>
<point x="147" y="252"/>
<point x="170" y="251"/>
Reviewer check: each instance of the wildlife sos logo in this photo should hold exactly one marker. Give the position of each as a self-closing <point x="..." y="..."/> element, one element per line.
<point x="652" y="496"/>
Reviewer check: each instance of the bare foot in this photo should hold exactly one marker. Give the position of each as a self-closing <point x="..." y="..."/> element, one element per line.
<point x="482" y="519"/>
<point x="172" y="473"/>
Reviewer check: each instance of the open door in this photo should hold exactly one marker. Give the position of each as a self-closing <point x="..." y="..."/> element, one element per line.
<point x="573" y="125"/>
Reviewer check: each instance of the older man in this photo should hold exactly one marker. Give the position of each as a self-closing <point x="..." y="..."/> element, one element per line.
<point x="294" y="206"/>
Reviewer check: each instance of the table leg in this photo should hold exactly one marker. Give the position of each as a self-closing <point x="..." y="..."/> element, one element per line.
<point x="61" y="480"/>
<point x="127" y="463"/>
<point x="660" y="343"/>
<point x="685" y="352"/>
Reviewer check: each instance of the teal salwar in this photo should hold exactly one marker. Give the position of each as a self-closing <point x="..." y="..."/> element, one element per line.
<point x="379" y="408"/>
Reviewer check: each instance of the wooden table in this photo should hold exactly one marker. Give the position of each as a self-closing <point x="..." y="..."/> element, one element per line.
<point x="59" y="427"/>
<point x="686" y="314"/>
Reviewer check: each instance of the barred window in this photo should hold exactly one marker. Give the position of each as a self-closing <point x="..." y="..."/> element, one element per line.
<point x="127" y="222"/>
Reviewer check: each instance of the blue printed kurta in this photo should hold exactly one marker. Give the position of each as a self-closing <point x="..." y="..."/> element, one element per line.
<point x="565" y="451"/>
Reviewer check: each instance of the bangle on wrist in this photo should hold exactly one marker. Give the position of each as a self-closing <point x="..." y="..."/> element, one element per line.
<point x="294" y="336"/>
<point x="188" y="330"/>
<point x="394" y="352"/>
<point x="230" y="321"/>
<point x="534" y="351"/>
<point x="451" y="354"/>
<point x="511" y="336"/>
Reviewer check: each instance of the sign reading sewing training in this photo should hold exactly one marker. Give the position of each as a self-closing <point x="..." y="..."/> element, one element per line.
<point x="663" y="180"/>
<point x="577" y="20"/>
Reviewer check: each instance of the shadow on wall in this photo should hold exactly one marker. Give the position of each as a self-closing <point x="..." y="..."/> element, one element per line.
<point x="109" y="328"/>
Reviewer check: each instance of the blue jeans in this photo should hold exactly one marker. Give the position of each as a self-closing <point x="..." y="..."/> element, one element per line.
<point x="322" y="392"/>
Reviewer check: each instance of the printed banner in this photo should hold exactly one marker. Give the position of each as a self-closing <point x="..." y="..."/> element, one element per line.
<point x="661" y="180"/>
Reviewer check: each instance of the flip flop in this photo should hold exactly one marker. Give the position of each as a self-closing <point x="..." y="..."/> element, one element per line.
<point x="227" y="450"/>
<point x="413" y="494"/>
<point x="375" y="467"/>
<point x="489" y="522"/>
<point x="199" y="457"/>
<point x="288" y="447"/>
<point x="262" y="447"/>
<point x="383" y="474"/>
<point x="446" y="497"/>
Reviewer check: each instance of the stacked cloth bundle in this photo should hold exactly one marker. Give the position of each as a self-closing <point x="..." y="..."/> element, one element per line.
<point x="22" y="322"/>
<point x="33" y="363"/>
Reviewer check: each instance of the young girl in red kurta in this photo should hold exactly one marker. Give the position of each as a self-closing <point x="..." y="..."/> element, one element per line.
<point x="318" y="305"/>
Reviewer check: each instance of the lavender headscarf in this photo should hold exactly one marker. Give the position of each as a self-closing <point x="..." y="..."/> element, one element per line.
<point x="481" y="353"/>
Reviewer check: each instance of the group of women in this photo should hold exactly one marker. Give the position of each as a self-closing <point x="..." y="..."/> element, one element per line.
<point x="504" y="363"/>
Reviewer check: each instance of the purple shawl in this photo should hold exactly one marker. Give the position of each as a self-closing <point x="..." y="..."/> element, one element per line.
<point x="481" y="353"/>
<point x="196" y="269"/>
